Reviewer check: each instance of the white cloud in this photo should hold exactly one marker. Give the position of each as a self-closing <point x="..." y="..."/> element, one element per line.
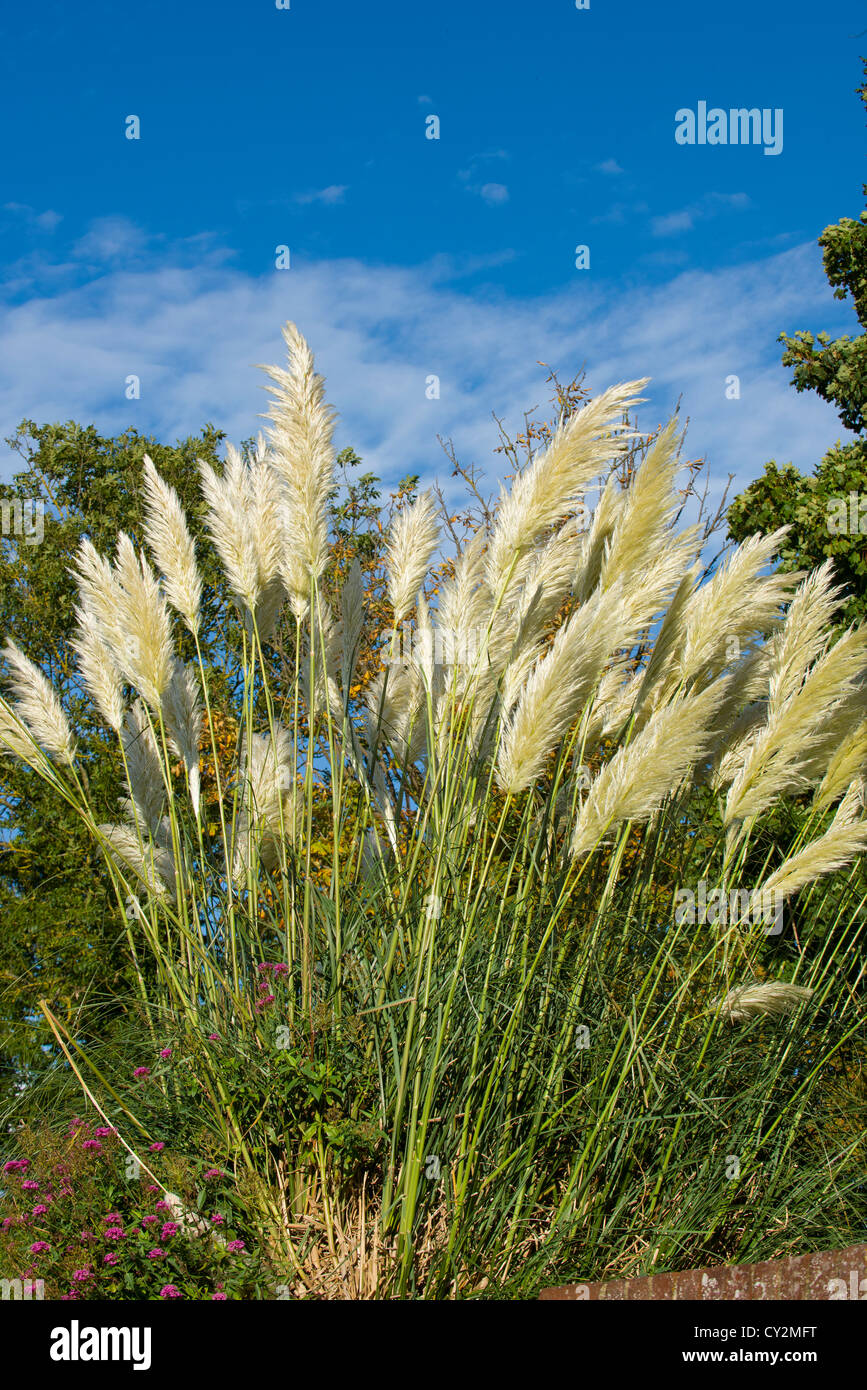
<point x="609" y="166"/>
<point x="494" y="193"/>
<point x="685" y="219"/>
<point x="332" y="194"/>
<point x="193" y="327"/>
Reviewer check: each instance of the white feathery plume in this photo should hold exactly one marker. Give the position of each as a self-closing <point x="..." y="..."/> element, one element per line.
<point x="412" y="541"/>
<point x="555" y="692"/>
<point x="230" y="524"/>
<point x="549" y="488"/>
<point x="145" y="656"/>
<point x="634" y="784"/>
<point x="268" y="809"/>
<point x="771" y="998"/>
<point x="38" y="706"/>
<point x="153" y="864"/>
<point x="15" y="738"/>
<point x="303" y="457"/>
<point x="848" y="763"/>
<point x="98" y="668"/>
<point x="778" y="756"/>
<point x="168" y="536"/>
<point x="651" y="505"/>
<point x="606" y="514"/>
<point x="145" y="776"/>
<point x="182" y="717"/>
<point x="845" y="838"/>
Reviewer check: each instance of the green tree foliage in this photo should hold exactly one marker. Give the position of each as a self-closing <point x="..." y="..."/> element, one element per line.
<point x="827" y="511"/>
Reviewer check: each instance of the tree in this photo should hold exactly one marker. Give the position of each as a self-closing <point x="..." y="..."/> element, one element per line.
<point x="827" y="512"/>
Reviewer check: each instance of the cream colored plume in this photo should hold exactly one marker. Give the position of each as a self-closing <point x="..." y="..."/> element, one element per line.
<point x="269" y="809"/>
<point x="143" y="630"/>
<point x="38" y="707"/>
<point x="555" y="692"/>
<point x="182" y="717"/>
<point x="146" y="780"/>
<point x="171" y="544"/>
<point x="773" y="998"/>
<point x="412" y="542"/>
<point x="303" y="457"/>
<point x="98" y="668"/>
<point x="651" y="505"/>
<point x="152" y="862"/>
<point x="843" y="841"/>
<point x="550" y="488"/>
<point x="641" y="774"/>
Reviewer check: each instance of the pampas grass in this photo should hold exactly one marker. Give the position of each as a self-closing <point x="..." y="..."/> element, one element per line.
<point x="447" y="873"/>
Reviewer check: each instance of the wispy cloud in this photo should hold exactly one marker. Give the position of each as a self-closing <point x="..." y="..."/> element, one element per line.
<point x="494" y="193"/>
<point x="47" y="221"/>
<point x="334" y="193"/>
<point x="192" y="326"/>
<point x="684" y="219"/>
<point x="609" y="166"/>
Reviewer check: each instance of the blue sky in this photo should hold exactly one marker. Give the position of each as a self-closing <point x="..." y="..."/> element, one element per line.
<point x="410" y="257"/>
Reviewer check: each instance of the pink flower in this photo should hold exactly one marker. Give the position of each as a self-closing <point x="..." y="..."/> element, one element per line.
<point x="157" y="1148"/>
<point x="170" y="1229"/>
<point x="103" y="1132"/>
<point x="30" y="1186"/>
<point x="219" y="1295"/>
<point x="114" y="1217"/>
<point x="214" y="1173"/>
<point x="81" y="1276"/>
<point x="152" y="1187"/>
<point x="161" y="1206"/>
<point x="170" y="1291"/>
<point x="156" y="1253"/>
<point x="110" y="1258"/>
<point x="87" y="1236"/>
<point x="40" y="1210"/>
<point x="39" y="1247"/>
<point x="148" y="1220"/>
<point x="115" y="1233"/>
<point x="166" y="1052"/>
<point x="142" y="1071"/>
<point x="217" y="1219"/>
<point x="213" y="1037"/>
<point x="235" y="1247"/>
<point x="15" y="1165"/>
<point x="68" y="1296"/>
<point x="92" y="1144"/>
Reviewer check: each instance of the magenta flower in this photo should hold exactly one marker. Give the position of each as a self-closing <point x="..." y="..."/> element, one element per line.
<point x="103" y="1132"/>
<point x="114" y="1217"/>
<point x="157" y="1148"/>
<point x="39" y="1247"/>
<point x="30" y="1186"/>
<point x="214" y="1173"/>
<point x="170" y="1229"/>
<point x="213" y="1037"/>
<point x="92" y="1144"/>
<point x="235" y="1247"/>
<point x="110" y="1258"/>
<point x="115" y="1233"/>
<point x="170" y="1291"/>
<point x="166" y="1052"/>
<point x="14" y="1165"/>
<point x="40" y="1210"/>
<point x="156" y="1253"/>
<point x="217" y="1219"/>
<point x="152" y="1187"/>
<point x="219" y="1295"/>
<point x="81" y="1276"/>
<point x="161" y="1206"/>
<point x="148" y="1220"/>
<point x="281" y="968"/>
<point x="142" y="1071"/>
